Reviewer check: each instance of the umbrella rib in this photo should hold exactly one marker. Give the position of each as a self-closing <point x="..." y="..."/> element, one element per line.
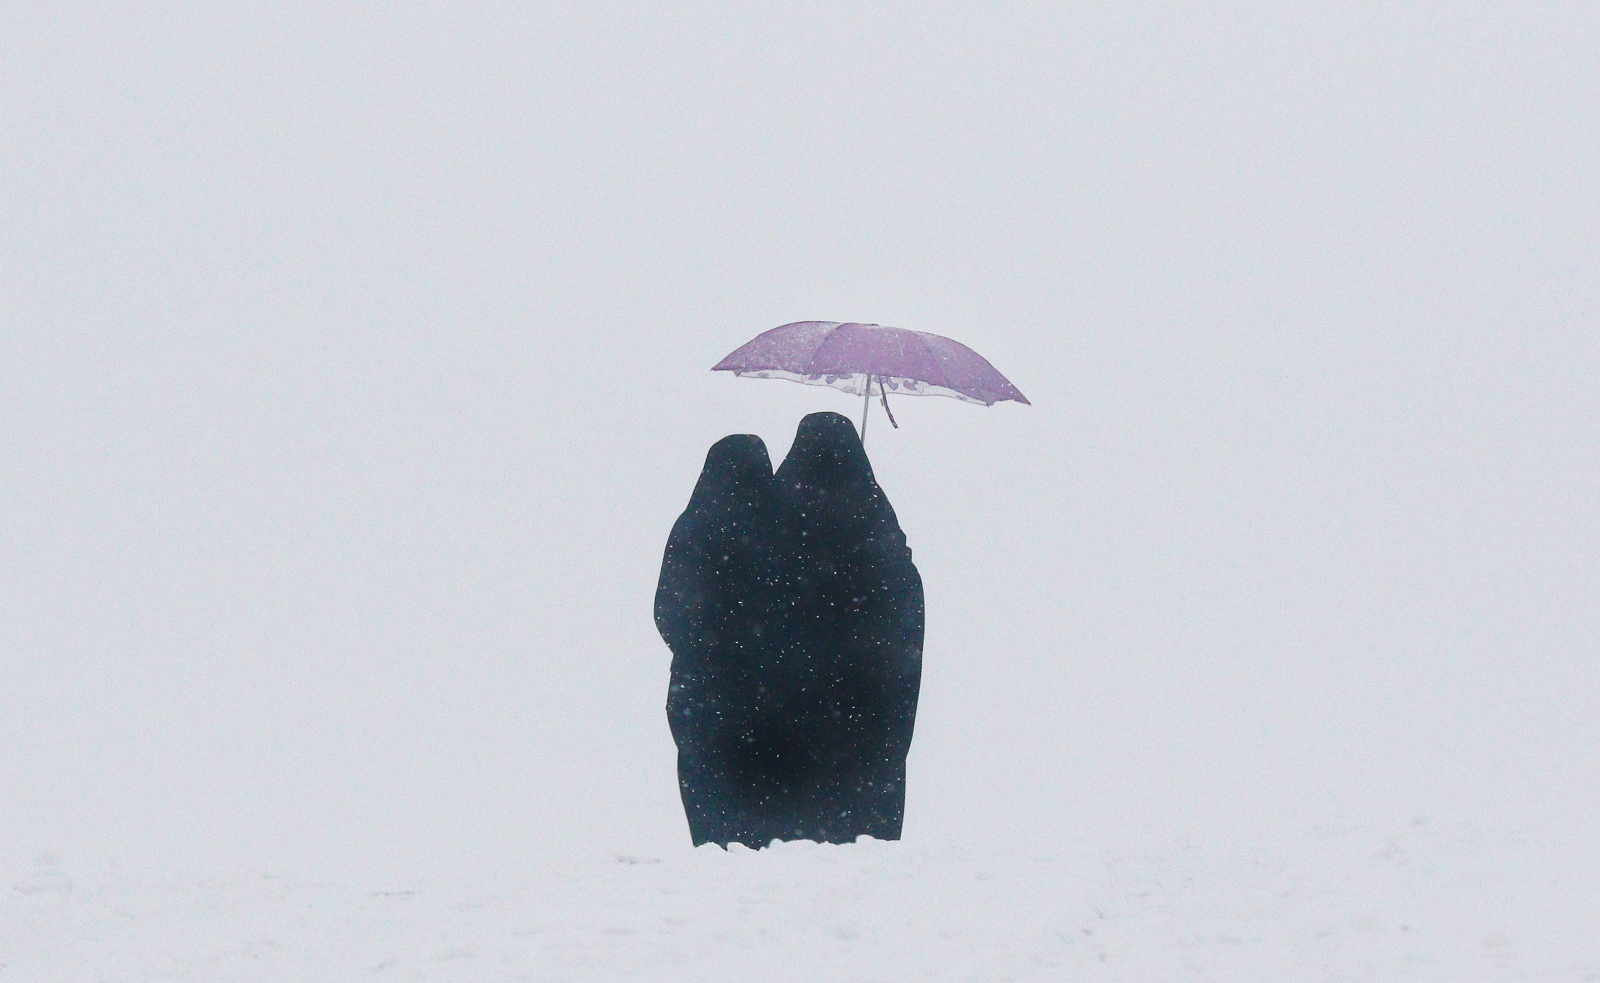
<point x="810" y="363"/>
<point x="944" y="379"/>
<point x="811" y="356"/>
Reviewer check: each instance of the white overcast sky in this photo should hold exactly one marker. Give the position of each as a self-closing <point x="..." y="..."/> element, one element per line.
<point x="353" y="368"/>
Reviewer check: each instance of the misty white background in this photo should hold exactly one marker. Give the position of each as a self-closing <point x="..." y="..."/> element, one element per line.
<point x="353" y="369"/>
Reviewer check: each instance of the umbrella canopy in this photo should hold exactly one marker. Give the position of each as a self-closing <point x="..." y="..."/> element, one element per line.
<point x="852" y="357"/>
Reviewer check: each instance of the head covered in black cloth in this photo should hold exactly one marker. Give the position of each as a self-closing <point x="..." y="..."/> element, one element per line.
<point x="827" y="484"/>
<point x="826" y="449"/>
<point x="737" y="475"/>
<point x="718" y="543"/>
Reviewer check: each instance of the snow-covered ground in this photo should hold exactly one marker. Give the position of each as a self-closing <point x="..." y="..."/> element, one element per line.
<point x="1425" y="900"/>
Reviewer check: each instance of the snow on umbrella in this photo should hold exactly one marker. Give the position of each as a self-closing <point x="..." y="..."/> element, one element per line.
<point x="852" y="357"/>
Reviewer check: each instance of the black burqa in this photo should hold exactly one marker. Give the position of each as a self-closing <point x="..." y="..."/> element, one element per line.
<point x="715" y="609"/>
<point x="856" y="622"/>
<point x="795" y="618"/>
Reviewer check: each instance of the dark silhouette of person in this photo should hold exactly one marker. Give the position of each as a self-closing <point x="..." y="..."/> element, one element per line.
<point x="795" y="619"/>
<point x="855" y="620"/>
<point x="715" y="610"/>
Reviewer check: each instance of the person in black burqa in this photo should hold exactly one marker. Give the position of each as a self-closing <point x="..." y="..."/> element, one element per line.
<point x="796" y="630"/>
<point x="856" y="623"/>
<point x="715" y="609"/>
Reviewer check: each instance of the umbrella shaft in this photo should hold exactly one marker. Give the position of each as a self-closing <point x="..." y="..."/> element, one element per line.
<point x="866" y="407"/>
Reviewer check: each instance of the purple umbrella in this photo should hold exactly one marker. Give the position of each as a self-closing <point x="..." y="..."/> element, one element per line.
<point x="854" y="356"/>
